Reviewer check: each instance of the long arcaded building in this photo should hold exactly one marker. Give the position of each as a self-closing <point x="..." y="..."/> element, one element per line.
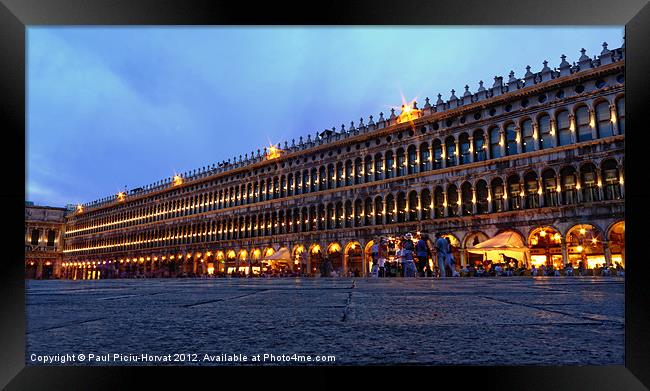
<point x="541" y="156"/>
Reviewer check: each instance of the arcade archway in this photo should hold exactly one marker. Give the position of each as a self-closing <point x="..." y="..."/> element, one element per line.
<point x="585" y="246"/>
<point x="545" y="245"/>
<point x="354" y="259"/>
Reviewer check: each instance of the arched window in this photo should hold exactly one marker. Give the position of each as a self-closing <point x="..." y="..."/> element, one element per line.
<point x="466" y="199"/>
<point x="514" y="192"/>
<point x="439" y="201"/>
<point x="348" y="214"/>
<point x="589" y="183"/>
<point x="531" y="190"/>
<point x="450" y="153"/>
<point x="620" y="112"/>
<point x="413" y="206"/>
<point x="465" y="154"/>
<point x="358" y="212"/>
<point x="583" y="124"/>
<point x="425" y="163"/>
<point x="330" y="218"/>
<point x="379" y="169"/>
<point x="550" y="188"/>
<point x="498" y="195"/>
<point x="511" y="140"/>
<point x="339" y="214"/>
<point x="36" y="233"/>
<point x="545" y="137"/>
<point x="367" y="212"/>
<point x="349" y="176"/>
<point x="604" y="120"/>
<point x="452" y="200"/>
<point x="390" y="209"/>
<point x="390" y="164"/>
<point x="339" y="174"/>
<point x="569" y="186"/>
<point x="313" y="184"/>
<point x="330" y="176"/>
<point x="481" y="197"/>
<point x="479" y="146"/>
<point x="51" y="235"/>
<point x="528" y="142"/>
<point x="358" y="169"/>
<point x="611" y="180"/>
<point x="401" y="207"/>
<point x="437" y="154"/>
<point x="379" y="210"/>
<point x="563" y="128"/>
<point x="367" y="169"/>
<point x="411" y="164"/>
<point x="425" y="204"/>
<point x="495" y="143"/>
<point x="323" y="178"/>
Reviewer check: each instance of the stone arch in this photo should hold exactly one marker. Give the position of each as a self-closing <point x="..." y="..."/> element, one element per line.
<point x="353" y="258"/>
<point x="335" y="255"/>
<point x="585" y="245"/>
<point x="315" y="258"/>
<point x="616" y="238"/>
<point x="545" y="243"/>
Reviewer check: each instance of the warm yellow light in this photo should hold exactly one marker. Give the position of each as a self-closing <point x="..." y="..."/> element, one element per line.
<point x="273" y="152"/>
<point x="594" y="240"/>
<point x="542" y="233"/>
<point x="582" y="231"/>
<point x="177" y="180"/>
<point x="579" y="249"/>
<point x="121" y="196"/>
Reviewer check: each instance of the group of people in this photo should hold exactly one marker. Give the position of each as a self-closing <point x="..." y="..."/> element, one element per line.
<point x="414" y="256"/>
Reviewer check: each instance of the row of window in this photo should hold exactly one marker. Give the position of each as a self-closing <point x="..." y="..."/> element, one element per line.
<point x="35" y="237"/>
<point x="423" y="157"/>
<point x="527" y="192"/>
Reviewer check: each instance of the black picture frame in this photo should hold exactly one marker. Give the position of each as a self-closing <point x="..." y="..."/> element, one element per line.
<point x="16" y="15"/>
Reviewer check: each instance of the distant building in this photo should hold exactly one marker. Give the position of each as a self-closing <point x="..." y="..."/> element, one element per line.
<point x="44" y="228"/>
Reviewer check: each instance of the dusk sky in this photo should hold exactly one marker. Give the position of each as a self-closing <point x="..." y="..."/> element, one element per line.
<point x="116" y="107"/>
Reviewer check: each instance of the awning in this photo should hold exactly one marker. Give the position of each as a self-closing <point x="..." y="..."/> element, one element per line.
<point x="282" y="254"/>
<point x="506" y="243"/>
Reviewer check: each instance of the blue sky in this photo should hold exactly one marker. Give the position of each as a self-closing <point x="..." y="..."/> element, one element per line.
<point x="115" y="107"/>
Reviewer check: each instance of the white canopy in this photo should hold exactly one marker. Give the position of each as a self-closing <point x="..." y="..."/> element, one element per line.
<point x="282" y="254"/>
<point x="506" y="243"/>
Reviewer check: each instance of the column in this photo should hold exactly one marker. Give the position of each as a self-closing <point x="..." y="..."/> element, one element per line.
<point x="502" y="140"/>
<point x="463" y="256"/>
<point x="445" y="204"/>
<point x="608" y="254"/>
<point x="592" y="124"/>
<point x="518" y="138"/>
<point x="39" y="269"/>
<point x="383" y="216"/>
<point x="540" y="191"/>
<point x="444" y="155"/>
<point x="614" y="119"/>
<point x="474" y="209"/>
<point x="553" y="132"/>
<point x="535" y="136"/>
<point x="490" y="200"/>
<point x="195" y="262"/>
<point x="572" y="127"/>
<point x="599" y="183"/>
<point x="565" y="253"/>
<point x="471" y="149"/>
<point x="621" y="180"/>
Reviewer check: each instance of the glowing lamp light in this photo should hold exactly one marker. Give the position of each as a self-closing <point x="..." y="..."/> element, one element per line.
<point x="542" y="233"/>
<point x="582" y="231"/>
<point x="579" y="249"/>
<point x="121" y="196"/>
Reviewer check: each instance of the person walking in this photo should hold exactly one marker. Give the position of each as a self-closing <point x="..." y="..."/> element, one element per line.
<point x="382" y="254"/>
<point x="374" y="272"/>
<point x="407" y="256"/>
<point x="441" y="254"/>
<point x="451" y="263"/>
<point x="422" y="252"/>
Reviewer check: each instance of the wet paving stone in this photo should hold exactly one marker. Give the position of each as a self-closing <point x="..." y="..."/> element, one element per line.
<point x="469" y="321"/>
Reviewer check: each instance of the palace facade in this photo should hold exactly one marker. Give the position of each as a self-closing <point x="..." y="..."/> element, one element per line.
<point x="541" y="156"/>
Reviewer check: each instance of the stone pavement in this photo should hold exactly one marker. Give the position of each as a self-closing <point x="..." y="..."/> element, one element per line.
<point x="473" y="321"/>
